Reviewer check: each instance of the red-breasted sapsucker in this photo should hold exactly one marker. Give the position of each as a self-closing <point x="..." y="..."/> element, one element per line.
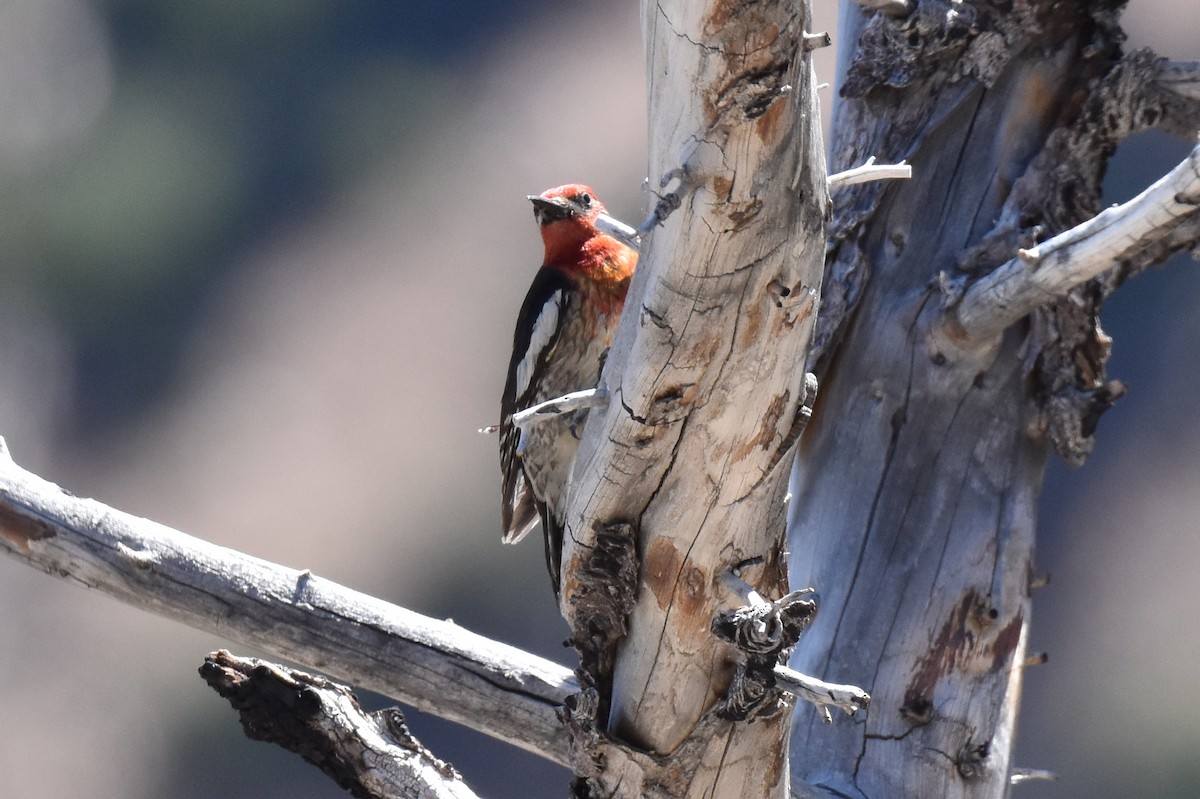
<point x="563" y="332"/>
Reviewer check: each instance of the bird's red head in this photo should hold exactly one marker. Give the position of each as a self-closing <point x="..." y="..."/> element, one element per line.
<point x="566" y="216"/>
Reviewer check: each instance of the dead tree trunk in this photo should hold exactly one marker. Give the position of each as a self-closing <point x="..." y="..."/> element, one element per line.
<point x="915" y="492"/>
<point x="680" y="479"/>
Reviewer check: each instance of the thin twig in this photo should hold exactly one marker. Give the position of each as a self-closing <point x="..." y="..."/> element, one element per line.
<point x="849" y="698"/>
<point x="618" y="230"/>
<point x="669" y="202"/>
<point x="869" y="172"/>
<point x="560" y="406"/>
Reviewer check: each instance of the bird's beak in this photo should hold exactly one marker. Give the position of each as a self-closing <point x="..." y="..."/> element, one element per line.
<point x="550" y="210"/>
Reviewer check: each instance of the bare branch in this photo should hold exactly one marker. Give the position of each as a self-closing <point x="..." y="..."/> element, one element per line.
<point x="1143" y="90"/>
<point x="369" y="754"/>
<point x="432" y="665"/>
<point x="1047" y="271"/>
<point x="869" y="172"/>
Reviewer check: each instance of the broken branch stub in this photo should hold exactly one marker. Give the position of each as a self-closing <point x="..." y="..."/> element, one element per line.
<point x="371" y="754"/>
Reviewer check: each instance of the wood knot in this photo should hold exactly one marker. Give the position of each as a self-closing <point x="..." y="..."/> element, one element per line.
<point x="972" y="760"/>
<point x="20" y="530"/>
<point x="764" y="631"/>
<point x="917" y="710"/>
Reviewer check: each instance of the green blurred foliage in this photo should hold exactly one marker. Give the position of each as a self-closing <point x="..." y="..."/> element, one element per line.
<point x="226" y="121"/>
<point x="102" y="230"/>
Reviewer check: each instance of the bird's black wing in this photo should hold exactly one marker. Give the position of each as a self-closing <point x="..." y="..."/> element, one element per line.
<point x="539" y="324"/>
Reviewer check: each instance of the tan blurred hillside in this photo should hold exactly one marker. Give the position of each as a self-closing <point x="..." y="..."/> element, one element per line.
<point x="324" y="408"/>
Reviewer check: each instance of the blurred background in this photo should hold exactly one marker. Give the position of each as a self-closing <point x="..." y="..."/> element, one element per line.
<point x="259" y="266"/>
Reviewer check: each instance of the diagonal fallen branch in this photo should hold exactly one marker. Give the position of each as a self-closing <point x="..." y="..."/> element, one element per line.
<point x="371" y="755"/>
<point x="432" y="665"/>
<point x="1047" y="271"/>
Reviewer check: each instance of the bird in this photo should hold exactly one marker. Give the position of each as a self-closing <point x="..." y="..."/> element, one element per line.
<point x="563" y="332"/>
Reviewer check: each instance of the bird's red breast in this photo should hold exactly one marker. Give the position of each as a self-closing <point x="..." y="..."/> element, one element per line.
<point x="597" y="263"/>
<point x="563" y="332"/>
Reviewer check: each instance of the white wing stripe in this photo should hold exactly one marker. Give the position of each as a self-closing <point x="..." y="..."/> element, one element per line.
<point x="543" y="331"/>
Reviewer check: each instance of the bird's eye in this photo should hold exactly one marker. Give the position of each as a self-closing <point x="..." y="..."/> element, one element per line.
<point x="584" y="199"/>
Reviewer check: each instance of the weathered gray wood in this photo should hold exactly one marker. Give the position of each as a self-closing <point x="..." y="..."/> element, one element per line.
<point x="1041" y="274"/>
<point x="915" y="491"/>
<point x="914" y="498"/>
<point x="691" y="455"/>
<point x="432" y="665"/>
